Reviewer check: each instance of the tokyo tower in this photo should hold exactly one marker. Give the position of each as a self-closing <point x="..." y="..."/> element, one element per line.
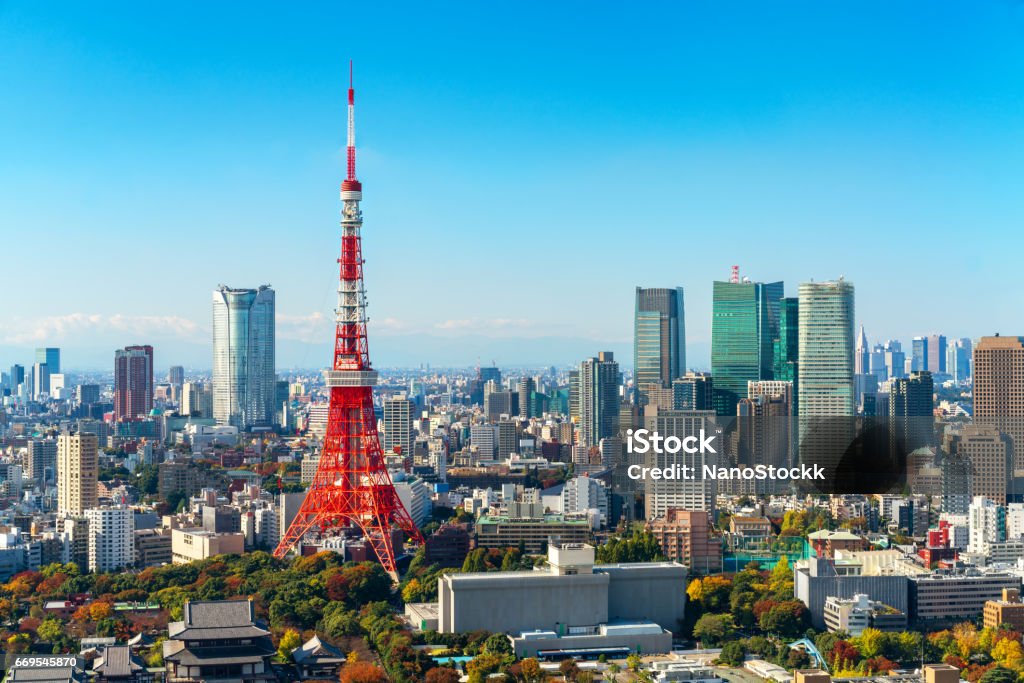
<point x="352" y="486"/>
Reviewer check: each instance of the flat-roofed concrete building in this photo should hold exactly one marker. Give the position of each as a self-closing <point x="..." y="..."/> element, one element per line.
<point x="633" y="605"/>
<point x="1008" y="610"/>
<point x="188" y="545"/>
<point x="956" y="597"/>
<point x="859" y="612"/>
<point x="495" y="531"/>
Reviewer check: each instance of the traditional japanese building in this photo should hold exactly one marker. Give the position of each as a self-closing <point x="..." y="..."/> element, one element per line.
<point x="316" y="660"/>
<point x="218" y="641"/>
<point x="117" y="664"/>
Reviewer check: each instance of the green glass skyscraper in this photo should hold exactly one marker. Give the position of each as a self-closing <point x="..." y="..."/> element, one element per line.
<point x="787" y="345"/>
<point x="744" y="325"/>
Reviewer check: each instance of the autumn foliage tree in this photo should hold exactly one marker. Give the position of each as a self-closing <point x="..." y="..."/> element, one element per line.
<point x="362" y="672"/>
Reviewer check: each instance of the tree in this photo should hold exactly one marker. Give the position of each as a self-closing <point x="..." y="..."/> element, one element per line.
<point x="789" y="618"/>
<point x="569" y="669"/>
<point x="732" y="653"/>
<point x="50" y="630"/>
<point x="511" y="560"/>
<point x="999" y="674"/>
<point x="497" y="644"/>
<point x="871" y="643"/>
<point x="713" y="629"/>
<point x="289" y="641"/>
<point x="1009" y="654"/>
<point x="443" y="674"/>
<point x="844" y="655"/>
<point x="362" y="672"/>
<point x="482" y="666"/>
<point x="633" y="662"/>
<point x="640" y="546"/>
<point x="712" y="592"/>
<point x="781" y="572"/>
<point x="530" y="671"/>
<point x="411" y="591"/>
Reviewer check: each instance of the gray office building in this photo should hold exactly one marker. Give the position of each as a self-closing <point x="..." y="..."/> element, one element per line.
<point x="243" y="357"/>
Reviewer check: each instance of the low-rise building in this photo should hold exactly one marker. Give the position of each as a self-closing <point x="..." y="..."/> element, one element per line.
<point x="858" y="613"/>
<point x="956" y="597"/>
<point x="686" y="536"/>
<point x="571" y="605"/>
<point x="826" y="543"/>
<point x="533" y="532"/>
<point x="152" y="547"/>
<point x="1008" y="610"/>
<point x="189" y="545"/>
<point x="317" y="660"/>
<point x="118" y="664"/>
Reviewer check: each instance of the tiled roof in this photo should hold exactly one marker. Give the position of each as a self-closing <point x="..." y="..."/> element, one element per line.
<point x="117" y="661"/>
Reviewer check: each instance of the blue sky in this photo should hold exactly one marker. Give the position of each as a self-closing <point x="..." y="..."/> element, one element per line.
<point x="526" y="165"/>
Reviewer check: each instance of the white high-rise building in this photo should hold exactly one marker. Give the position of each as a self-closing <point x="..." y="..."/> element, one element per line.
<point x="1015" y="521"/>
<point x="697" y="493"/>
<point x="415" y="495"/>
<point x="398" y="425"/>
<point x="581" y="494"/>
<point x="111" y="538"/>
<point x="987" y="524"/>
<point x="244" y="380"/>
<point x="826" y="352"/>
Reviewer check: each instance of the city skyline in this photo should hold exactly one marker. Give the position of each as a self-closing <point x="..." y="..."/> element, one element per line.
<point x="912" y="151"/>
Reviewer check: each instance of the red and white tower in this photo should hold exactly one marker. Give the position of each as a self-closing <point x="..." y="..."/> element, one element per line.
<point x="352" y="486"/>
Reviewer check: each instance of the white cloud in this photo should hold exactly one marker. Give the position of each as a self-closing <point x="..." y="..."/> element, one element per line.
<point x="58" y="328"/>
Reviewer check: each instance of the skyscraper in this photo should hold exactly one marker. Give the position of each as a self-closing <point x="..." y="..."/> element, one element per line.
<point x="936" y="354"/>
<point x="787" y="345"/>
<point x="527" y="400"/>
<point x="826" y="396"/>
<point x="744" y="325"/>
<point x="17" y="378"/>
<point x="77" y="472"/>
<point x="862" y="355"/>
<point x="919" y="355"/>
<point x="176" y="375"/>
<point x="133" y="382"/>
<point x="196" y="399"/>
<point x="659" y="336"/>
<point x="599" y="381"/>
<point x="958" y="359"/>
<point x="40" y="380"/>
<point x="243" y="357"/>
<point x="693" y="391"/>
<point x="895" y="359"/>
<point x="999" y="390"/>
<point x="51" y="357"/>
<point x="910" y="411"/>
<point x="764" y="433"/>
